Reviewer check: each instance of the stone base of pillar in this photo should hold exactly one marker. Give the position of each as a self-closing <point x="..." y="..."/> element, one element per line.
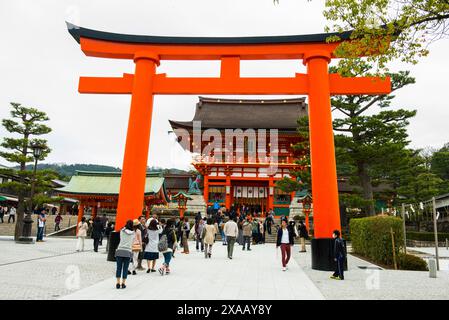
<point x="114" y="240"/>
<point x="323" y="255"/>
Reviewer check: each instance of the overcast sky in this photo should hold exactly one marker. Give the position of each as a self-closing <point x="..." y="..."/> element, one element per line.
<point x="40" y="64"/>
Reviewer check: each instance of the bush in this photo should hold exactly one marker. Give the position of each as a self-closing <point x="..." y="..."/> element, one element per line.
<point x="427" y="236"/>
<point x="371" y="237"/>
<point x="411" y="262"/>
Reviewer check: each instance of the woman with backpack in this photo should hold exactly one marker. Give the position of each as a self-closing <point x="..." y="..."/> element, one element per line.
<point x="151" y="253"/>
<point x="166" y="245"/>
<point x="137" y="245"/>
<point x="124" y="253"/>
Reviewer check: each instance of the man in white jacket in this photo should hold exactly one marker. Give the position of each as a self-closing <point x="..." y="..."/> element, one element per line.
<point x="231" y="231"/>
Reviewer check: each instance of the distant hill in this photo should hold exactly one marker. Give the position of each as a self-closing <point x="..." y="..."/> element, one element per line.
<point x="68" y="170"/>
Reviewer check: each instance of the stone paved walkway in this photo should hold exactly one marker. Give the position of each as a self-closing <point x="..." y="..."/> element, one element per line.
<point x="254" y="275"/>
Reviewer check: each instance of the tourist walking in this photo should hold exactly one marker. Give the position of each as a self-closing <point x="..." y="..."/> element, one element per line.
<point x="185" y="236"/>
<point x="199" y="226"/>
<point x="104" y="222"/>
<point x="151" y="253"/>
<point x="261" y="232"/>
<point x="12" y="215"/>
<point x="247" y="229"/>
<point x="209" y="237"/>
<point x="82" y="234"/>
<point x="144" y="231"/>
<point x="231" y="231"/>
<point x="123" y="254"/>
<point x="58" y="220"/>
<point x="136" y="245"/>
<point x="340" y="256"/>
<point x="255" y="232"/>
<point x="285" y="241"/>
<point x="170" y="235"/>
<point x="269" y="221"/>
<point x="303" y="235"/>
<point x="2" y="213"/>
<point x="107" y="233"/>
<point x="42" y="218"/>
<point x="240" y="235"/>
<point x="97" y="232"/>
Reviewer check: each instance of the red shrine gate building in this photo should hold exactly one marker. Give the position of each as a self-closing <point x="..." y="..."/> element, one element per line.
<point x="254" y="150"/>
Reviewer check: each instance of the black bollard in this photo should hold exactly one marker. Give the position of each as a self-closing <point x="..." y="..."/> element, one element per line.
<point x="114" y="240"/>
<point x="323" y="254"/>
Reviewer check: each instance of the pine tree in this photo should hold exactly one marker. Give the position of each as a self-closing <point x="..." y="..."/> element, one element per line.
<point x="28" y="123"/>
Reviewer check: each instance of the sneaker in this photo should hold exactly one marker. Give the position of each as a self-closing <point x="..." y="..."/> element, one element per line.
<point x="209" y="254"/>
<point x="167" y="270"/>
<point x="117" y="285"/>
<point x="129" y="272"/>
<point x="161" y="271"/>
<point x="149" y="270"/>
<point x="284" y="268"/>
<point x="153" y="270"/>
<point x="123" y="286"/>
<point x="249" y="249"/>
<point x="335" y="278"/>
<point x="134" y="272"/>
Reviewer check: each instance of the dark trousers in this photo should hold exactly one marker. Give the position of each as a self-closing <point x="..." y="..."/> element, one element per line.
<point x="13" y="218"/>
<point x="96" y="243"/>
<point x="1" y="218"/>
<point x="198" y="241"/>
<point x="231" y="242"/>
<point x="269" y="228"/>
<point x="246" y="240"/>
<point x="40" y="233"/>
<point x="57" y="228"/>
<point x="339" y="268"/>
<point x="286" y="252"/>
<point x="122" y="267"/>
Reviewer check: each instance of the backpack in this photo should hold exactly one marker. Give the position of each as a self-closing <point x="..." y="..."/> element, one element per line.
<point x="163" y="243"/>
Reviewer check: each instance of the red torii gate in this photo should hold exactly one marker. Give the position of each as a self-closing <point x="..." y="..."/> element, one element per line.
<point x="318" y="84"/>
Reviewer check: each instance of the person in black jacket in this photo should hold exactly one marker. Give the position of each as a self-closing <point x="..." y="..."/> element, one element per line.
<point x="303" y="235"/>
<point x="97" y="232"/>
<point x="340" y="256"/>
<point x="285" y="241"/>
<point x="170" y="233"/>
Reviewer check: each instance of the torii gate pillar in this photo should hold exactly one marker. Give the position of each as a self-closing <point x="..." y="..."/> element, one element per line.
<point x="326" y="211"/>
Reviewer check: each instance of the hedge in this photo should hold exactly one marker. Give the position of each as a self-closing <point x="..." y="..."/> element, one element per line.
<point x="427" y="236"/>
<point x="371" y="238"/>
<point x="411" y="262"/>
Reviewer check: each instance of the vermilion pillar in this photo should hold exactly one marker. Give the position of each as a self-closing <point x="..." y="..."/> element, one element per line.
<point x="80" y="215"/>
<point x="270" y="194"/>
<point x="322" y="151"/>
<point x="228" y="193"/>
<point x="132" y="185"/>
<point x="206" y="189"/>
<point x="326" y="215"/>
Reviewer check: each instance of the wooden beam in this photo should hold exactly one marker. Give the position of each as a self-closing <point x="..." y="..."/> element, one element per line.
<point x="230" y="83"/>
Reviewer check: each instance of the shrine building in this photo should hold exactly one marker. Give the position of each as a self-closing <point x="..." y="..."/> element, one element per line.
<point x="255" y="150"/>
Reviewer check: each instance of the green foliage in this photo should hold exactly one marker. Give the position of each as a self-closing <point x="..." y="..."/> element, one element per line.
<point x="369" y="148"/>
<point x="371" y="237"/>
<point x="413" y="179"/>
<point x="411" y="262"/>
<point x="426" y="236"/>
<point x="29" y="124"/>
<point x="288" y="185"/>
<point x="412" y="24"/>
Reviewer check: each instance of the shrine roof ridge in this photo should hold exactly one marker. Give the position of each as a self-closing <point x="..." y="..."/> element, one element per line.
<point x="78" y="32"/>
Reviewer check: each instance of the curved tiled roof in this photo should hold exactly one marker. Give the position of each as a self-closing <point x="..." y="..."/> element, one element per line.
<point x="106" y="183"/>
<point x="237" y="113"/>
<point x="78" y="32"/>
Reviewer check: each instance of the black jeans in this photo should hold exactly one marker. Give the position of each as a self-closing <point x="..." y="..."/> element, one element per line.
<point x="96" y="243"/>
<point x="246" y="240"/>
<point x="12" y="217"/>
<point x="339" y="268"/>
